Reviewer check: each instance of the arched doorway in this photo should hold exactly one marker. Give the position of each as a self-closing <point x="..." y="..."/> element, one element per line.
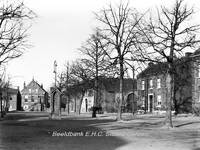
<point x="131" y="103"/>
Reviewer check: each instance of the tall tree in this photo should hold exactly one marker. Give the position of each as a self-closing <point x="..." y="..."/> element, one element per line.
<point x="167" y="36"/>
<point x="97" y="61"/>
<point x="119" y="30"/>
<point x="13" y="29"/>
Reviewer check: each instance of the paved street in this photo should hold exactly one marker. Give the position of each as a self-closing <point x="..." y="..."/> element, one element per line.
<point x="30" y="131"/>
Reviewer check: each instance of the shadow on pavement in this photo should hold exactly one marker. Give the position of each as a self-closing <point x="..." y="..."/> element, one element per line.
<point x="28" y="130"/>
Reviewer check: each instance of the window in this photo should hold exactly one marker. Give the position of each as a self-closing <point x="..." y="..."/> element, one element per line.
<point x="36" y="90"/>
<point x="10" y="98"/>
<point x="143" y="102"/>
<point x="143" y="85"/>
<point x="158" y="83"/>
<point x="198" y="70"/>
<point x="199" y="94"/>
<point x="158" y="100"/>
<point x="26" y="98"/>
<point x="29" y="90"/>
<point x="32" y="98"/>
<point x="151" y="84"/>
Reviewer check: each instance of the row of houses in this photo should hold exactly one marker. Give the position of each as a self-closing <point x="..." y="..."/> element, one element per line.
<point x="147" y="92"/>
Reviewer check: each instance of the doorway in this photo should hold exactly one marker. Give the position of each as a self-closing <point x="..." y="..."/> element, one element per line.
<point x="150" y="103"/>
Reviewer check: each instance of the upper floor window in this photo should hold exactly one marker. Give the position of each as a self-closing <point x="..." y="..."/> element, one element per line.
<point x="143" y="85"/>
<point x="151" y="84"/>
<point x="158" y="83"/>
<point x="29" y="90"/>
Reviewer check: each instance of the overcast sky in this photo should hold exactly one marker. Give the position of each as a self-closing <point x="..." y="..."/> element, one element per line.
<point x="60" y="28"/>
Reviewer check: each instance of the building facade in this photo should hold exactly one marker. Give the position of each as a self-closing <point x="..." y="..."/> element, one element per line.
<point x="34" y="97"/>
<point x="151" y="87"/>
<point x="108" y="96"/>
<point x="152" y="84"/>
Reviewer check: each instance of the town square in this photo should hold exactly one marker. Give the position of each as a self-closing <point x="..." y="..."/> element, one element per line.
<point x="104" y="74"/>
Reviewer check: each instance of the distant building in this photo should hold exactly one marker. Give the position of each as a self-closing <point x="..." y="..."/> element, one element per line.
<point x="108" y="96"/>
<point x="152" y="85"/>
<point x="14" y="97"/>
<point x="34" y="97"/>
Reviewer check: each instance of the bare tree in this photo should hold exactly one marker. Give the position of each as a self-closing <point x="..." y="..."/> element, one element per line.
<point x="97" y="61"/>
<point x="13" y="29"/>
<point x="119" y="31"/>
<point x="79" y="79"/>
<point x="165" y="38"/>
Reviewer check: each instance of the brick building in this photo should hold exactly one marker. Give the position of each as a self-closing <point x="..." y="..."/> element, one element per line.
<point x="108" y="96"/>
<point x="14" y="96"/>
<point x="34" y="97"/>
<point x="153" y="81"/>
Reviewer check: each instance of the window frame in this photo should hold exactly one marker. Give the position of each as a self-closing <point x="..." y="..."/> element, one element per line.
<point x="143" y="85"/>
<point x="151" y="84"/>
<point x="159" y="100"/>
<point x="158" y="83"/>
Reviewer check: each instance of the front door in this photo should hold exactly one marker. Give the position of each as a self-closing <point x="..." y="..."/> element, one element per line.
<point x="150" y="103"/>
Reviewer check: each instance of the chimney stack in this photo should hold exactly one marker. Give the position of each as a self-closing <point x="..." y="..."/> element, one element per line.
<point x="24" y="84"/>
<point x="150" y="63"/>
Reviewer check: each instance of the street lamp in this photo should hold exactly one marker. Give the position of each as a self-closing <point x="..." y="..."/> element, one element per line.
<point x="55" y="70"/>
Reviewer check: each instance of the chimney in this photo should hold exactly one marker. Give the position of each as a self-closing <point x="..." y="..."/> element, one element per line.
<point x="150" y="63"/>
<point x="24" y="84"/>
<point x="188" y="54"/>
<point x="41" y="85"/>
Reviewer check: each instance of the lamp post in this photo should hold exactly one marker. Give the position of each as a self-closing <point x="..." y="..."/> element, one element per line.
<point x="55" y="70"/>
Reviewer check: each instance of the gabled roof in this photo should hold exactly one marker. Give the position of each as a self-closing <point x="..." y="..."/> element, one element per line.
<point x="33" y="82"/>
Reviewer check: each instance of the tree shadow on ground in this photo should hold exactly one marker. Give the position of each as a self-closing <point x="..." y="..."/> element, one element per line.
<point x="189" y="123"/>
<point x="21" y="130"/>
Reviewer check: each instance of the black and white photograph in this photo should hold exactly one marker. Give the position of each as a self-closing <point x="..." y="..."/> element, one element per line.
<point x="100" y="74"/>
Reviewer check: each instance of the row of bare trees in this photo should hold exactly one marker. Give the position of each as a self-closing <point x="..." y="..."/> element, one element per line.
<point x="125" y="36"/>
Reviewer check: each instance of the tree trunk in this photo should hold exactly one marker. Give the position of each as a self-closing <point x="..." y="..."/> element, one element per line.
<point x="1" y="106"/>
<point x="75" y="103"/>
<point x="170" y="87"/>
<point x="95" y="99"/>
<point x="119" y="115"/>
<point x="80" y="103"/>
<point x="68" y="103"/>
